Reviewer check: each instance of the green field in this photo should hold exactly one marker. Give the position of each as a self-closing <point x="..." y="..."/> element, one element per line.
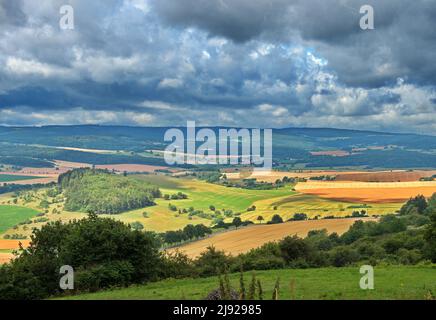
<point x="11" y="177"/>
<point x="11" y="215"/>
<point x="202" y="194"/>
<point x="417" y="282"/>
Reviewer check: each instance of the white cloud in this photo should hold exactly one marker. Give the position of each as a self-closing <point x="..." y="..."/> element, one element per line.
<point x="22" y="67"/>
<point x="170" y="83"/>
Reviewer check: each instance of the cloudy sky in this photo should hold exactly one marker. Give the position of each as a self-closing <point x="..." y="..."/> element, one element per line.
<point x="256" y="63"/>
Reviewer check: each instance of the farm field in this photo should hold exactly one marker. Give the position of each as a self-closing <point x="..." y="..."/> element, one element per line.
<point x="313" y="205"/>
<point x="368" y="192"/>
<point x="245" y="239"/>
<point x="388" y="176"/>
<point x="11" y="215"/>
<point x="391" y="282"/>
<point x="363" y="176"/>
<point x="5" y="257"/>
<point x="13" y="177"/>
<point x="272" y="176"/>
<point x="201" y="196"/>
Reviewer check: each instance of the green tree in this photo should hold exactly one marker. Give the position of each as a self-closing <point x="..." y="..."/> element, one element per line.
<point x="237" y="222"/>
<point x="101" y="250"/>
<point x="430" y="237"/>
<point x="276" y="219"/>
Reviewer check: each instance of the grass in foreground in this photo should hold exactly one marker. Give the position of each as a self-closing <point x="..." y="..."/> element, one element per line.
<point x="391" y="282"/>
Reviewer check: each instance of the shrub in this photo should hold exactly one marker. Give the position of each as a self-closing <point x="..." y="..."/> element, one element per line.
<point x="276" y="219"/>
<point x="293" y="248"/>
<point x="212" y="262"/>
<point x="113" y="274"/>
<point x="88" y="244"/>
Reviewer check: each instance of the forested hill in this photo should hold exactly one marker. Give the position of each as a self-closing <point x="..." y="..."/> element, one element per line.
<point x="101" y="192"/>
<point x="138" y="138"/>
<point x="37" y="146"/>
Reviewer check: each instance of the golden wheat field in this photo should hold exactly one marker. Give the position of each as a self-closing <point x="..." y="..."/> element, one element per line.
<point x="245" y="239"/>
<point x="12" y="244"/>
<point x="362" y="176"/>
<point x="367" y="192"/>
<point x="5" y="257"/>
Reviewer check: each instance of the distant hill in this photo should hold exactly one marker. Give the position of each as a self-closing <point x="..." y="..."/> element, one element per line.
<point x="291" y="146"/>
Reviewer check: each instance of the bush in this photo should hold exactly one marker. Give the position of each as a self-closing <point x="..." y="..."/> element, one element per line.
<point x="178" y="265"/>
<point x="276" y="219"/>
<point x="298" y="217"/>
<point x="430" y="237"/>
<point x="113" y="274"/>
<point x="88" y="244"/>
<point x="293" y="248"/>
<point x="212" y="262"/>
<point x="343" y="256"/>
<point x="137" y="226"/>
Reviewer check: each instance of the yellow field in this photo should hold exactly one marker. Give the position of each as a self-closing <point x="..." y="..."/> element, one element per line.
<point x="5" y="257"/>
<point x="245" y="239"/>
<point x="314" y="206"/>
<point x="272" y="176"/>
<point x="367" y="192"/>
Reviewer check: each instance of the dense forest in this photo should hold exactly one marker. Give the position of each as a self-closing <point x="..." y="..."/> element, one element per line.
<point x="102" y="192"/>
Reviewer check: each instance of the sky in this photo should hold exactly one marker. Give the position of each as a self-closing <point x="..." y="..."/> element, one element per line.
<point x="245" y="63"/>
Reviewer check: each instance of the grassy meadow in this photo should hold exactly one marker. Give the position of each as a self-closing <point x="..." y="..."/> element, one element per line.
<point x="12" y="215"/>
<point x="390" y="282"/>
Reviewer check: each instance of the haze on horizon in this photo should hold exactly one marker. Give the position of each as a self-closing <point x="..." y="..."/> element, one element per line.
<point x="264" y="63"/>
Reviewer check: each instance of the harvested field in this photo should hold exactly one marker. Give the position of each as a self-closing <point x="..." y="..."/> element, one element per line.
<point x="333" y="153"/>
<point x="388" y="176"/>
<point x="64" y="166"/>
<point x="245" y="239"/>
<point x="12" y="244"/>
<point x="368" y="192"/>
<point x="272" y="176"/>
<point x="131" y="167"/>
<point x="87" y="150"/>
<point x="5" y="257"/>
<point x="33" y="181"/>
<point x="71" y="165"/>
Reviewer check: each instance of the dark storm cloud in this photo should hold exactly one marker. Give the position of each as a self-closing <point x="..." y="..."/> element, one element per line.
<point x="269" y="63"/>
<point x="402" y="44"/>
<point x="11" y="14"/>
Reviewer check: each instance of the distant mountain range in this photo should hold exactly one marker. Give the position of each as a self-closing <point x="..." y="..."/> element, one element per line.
<point x="297" y="147"/>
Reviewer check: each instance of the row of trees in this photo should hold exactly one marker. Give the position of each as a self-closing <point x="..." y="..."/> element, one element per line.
<point x="189" y="232"/>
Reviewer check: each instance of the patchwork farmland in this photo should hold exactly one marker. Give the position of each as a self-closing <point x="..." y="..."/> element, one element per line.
<point x="245" y="239"/>
<point x="316" y="199"/>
